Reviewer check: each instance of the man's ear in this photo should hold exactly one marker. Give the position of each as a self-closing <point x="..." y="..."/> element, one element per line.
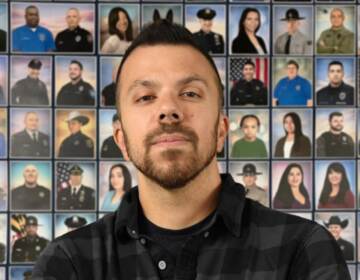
<point x="120" y="141"/>
<point x="223" y="129"/>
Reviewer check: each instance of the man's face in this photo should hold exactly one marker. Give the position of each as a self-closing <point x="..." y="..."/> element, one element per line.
<point x="72" y="18"/>
<point x="30" y="174"/>
<point x="291" y="71"/>
<point x="335" y="230"/>
<point x="249" y="180"/>
<point x="75" y="180"/>
<point x="293" y="25"/>
<point x="74" y="126"/>
<point x="337" y="19"/>
<point x="171" y="126"/>
<point x="250" y="128"/>
<point x="248" y="72"/>
<point x="335" y="74"/>
<point x="206" y="25"/>
<point x="74" y="71"/>
<point x="31" y="122"/>
<point x="31" y="230"/>
<point x="32" y="17"/>
<point x="337" y="123"/>
<point x="33" y="73"/>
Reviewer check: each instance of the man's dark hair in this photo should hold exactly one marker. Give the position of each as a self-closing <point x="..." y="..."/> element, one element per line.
<point x="248" y="117"/>
<point x="249" y="62"/>
<point x="335" y="114"/>
<point x="335" y="62"/>
<point x="166" y="33"/>
<point x="31" y="7"/>
<point x="78" y="63"/>
<point x="293" y="62"/>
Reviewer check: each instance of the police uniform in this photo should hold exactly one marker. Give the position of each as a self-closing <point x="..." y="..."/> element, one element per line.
<point x="77" y="145"/>
<point x="28" y="248"/>
<point x="339" y="41"/>
<point x="77" y="40"/>
<point x="2" y="252"/>
<point x="335" y="145"/>
<point x="23" y="145"/>
<point x="30" y="198"/>
<point x="83" y="199"/>
<point x="29" y="91"/>
<point x="2" y="96"/>
<point x="249" y="92"/>
<point x="342" y="95"/>
<point x="75" y="221"/>
<point x="210" y="42"/>
<point x="108" y="94"/>
<point x="3" y="40"/>
<point x="81" y="93"/>
<point x="24" y="39"/>
<point x="109" y="149"/>
<point x="296" y="91"/>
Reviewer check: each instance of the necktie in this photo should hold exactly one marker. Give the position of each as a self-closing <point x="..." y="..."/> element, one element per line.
<point x="34" y="136"/>
<point x="287" y="45"/>
<point x="73" y="192"/>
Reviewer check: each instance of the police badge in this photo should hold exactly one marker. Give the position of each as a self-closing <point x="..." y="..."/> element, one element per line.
<point x="81" y="88"/>
<point x="342" y="95"/>
<point x="82" y="196"/>
<point x="89" y="143"/>
<point x="37" y="248"/>
<point x="41" y="194"/>
<point x="298" y="88"/>
<point x="77" y="142"/>
<point x="45" y="142"/>
<point x="42" y="37"/>
<point x="78" y="38"/>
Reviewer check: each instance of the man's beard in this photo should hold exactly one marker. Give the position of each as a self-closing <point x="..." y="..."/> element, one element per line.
<point x="180" y="171"/>
<point x="335" y="128"/>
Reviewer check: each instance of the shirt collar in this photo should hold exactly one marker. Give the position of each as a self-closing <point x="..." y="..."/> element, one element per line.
<point x="229" y="209"/>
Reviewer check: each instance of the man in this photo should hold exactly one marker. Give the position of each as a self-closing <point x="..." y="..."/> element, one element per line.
<point x="108" y="92"/>
<point x="337" y="92"/>
<point x="3" y="40"/>
<point x="32" y="37"/>
<point x="77" y="92"/>
<point x="76" y="196"/>
<point x="172" y="125"/>
<point x="248" y="90"/>
<point x="337" y="39"/>
<point x="74" y="38"/>
<point x="30" y="195"/>
<point x="252" y="190"/>
<point x="210" y="41"/>
<point x="30" y="142"/>
<point x="293" y="41"/>
<point x="75" y="222"/>
<point x="109" y="149"/>
<point x="29" y="247"/>
<point x="335" y="142"/>
<point x="30" y="90"/>
<point x="335" y="227"/>
<point x="76" y="144"/>
<point x="293" y="90"/>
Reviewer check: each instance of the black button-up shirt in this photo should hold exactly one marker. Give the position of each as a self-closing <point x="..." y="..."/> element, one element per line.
<point x="244" y="240"/>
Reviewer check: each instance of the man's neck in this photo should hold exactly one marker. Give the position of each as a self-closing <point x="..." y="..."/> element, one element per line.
<point x="75" y="81"/>
<point x="336" y="132"/>
<point x="335" y="85"/>
<point x="183" y="207"/>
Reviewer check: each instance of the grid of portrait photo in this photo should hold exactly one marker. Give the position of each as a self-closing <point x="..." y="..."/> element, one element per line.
<point x="290" y="72"/>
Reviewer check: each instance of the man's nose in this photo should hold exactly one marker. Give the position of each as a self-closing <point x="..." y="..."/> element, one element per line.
<point x="170" y="111"/>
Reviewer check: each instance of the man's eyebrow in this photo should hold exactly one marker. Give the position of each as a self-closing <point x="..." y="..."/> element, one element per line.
<point x="192" y="78"/>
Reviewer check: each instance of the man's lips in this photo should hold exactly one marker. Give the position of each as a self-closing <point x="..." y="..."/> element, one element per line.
<point x="170" y="139"/>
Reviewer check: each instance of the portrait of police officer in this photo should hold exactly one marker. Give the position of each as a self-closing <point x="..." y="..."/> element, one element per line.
<point x="76" y="196"/>
<point x="30" y="195"/>
<point x="338" y="38"/>
<point x="109" y="67"/>
<point x="3" y="31"/>
<point x="29" y="247"/>
<point x="66" y="222"/>
<point x="293" y="41"/>
<point x="30" y="90"/>
<point x="3" y="234"/>
<point x="109" y="149"/>
<point x="74" y="222"/>
<point x="293" y="89"/>
<point x="248" y="90"/>
<point x="74" y="38"/>
<point x="77" y="92"/>
<point x="335" y="142"/>
<point x="30" y="141"/>
<point x="209" y="40"/>
<point x="3" y="79"/>
<point x="3" y="133"/>
<point x="337" y="92"/>
<point x="77" y="144"/>
<point x="31" y="37"/>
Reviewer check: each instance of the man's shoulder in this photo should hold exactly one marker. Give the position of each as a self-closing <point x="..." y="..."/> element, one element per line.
<point x="44" y="29"/>
<point x="19" y="134"/>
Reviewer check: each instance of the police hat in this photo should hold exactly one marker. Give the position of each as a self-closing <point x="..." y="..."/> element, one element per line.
<point x="292" y="14"/>
<point x="75" y="115"/>
<point x="249" y="170"/>
<point x="75" y="221"/>
<point x="335" y="220"/>
<point x="206" y="13"/>
<point x="35" y="64"/>
<point x="76" y="170"/>
<point x="31" y="221"/>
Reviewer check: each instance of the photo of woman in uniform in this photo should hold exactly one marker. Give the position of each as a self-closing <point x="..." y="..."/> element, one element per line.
<point x="120" y="31"/>
<point x="336" y="192"/>
<point x="292" y="193"/>
<point x="294" y="143"/>
<point x="247" y="41"/>
<point x="119" y="183"/>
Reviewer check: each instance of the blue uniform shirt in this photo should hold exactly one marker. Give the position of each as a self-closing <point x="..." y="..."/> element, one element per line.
<point x="26" y="40"/>
<point x="2" y="145"/>
<point x="293" y="92"/>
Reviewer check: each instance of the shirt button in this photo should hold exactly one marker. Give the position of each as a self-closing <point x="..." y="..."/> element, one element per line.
<point x="143" y="241"/>
<point x="162" y="265"/>
<point x="206" y="234"/>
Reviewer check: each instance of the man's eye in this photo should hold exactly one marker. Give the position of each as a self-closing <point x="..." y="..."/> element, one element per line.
<point x="145" y="98"/>
<point x="190" y="94"/>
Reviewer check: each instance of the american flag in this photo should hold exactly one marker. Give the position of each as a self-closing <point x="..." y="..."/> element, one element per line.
<point x="62" y="175"/>
<point x="261" y="69"/>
